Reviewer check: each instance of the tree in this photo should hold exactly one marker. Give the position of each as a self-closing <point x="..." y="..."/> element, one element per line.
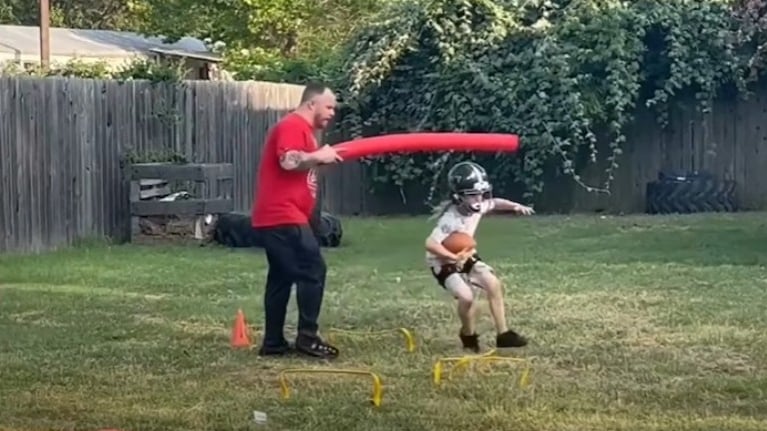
<point x="263" y="38"/>
<point x="90" y="14"/>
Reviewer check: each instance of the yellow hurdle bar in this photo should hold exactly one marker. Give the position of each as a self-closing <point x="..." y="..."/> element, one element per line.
<point x="377" y="398"/>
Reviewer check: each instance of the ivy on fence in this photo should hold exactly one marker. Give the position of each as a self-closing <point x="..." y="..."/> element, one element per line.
<point x="558" y="73"/>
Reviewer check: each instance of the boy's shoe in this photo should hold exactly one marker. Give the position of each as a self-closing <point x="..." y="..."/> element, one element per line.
<point x="510" y="339"/>
<point x="470" y="342"/>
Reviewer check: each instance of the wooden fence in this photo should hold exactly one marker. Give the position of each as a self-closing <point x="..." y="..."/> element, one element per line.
<point x="62" y="143"/>
<point x="731" y="143"/>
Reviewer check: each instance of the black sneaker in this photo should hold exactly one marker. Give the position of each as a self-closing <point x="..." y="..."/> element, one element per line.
<point x="470" y="342"/>
<point x="278" y="350"/>
<point x="510" y="339"/>
<point x="315" y="347"/>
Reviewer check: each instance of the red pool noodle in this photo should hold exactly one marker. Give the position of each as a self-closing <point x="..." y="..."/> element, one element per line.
<point x="428" y="142"/>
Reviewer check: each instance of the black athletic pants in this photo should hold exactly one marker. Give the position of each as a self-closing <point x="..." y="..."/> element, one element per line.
<point x="294" y="256"/>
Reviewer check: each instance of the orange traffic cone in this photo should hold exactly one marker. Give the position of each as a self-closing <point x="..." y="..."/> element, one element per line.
<point x="240" y="336"/>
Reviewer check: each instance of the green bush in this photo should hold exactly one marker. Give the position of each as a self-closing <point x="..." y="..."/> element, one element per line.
<point x="140" y="68"/>
<point x="268" y="65"/>
<point x="557" y="73"/>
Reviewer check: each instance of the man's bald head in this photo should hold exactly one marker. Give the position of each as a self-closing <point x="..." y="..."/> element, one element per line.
<point x="313" y="90"/>
<point x="318" y="104"/>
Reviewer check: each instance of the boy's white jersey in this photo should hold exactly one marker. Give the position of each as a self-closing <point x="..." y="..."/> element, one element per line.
<point x="453" y="221"/>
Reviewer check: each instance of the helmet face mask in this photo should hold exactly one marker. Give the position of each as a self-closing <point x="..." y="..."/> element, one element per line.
<point x="469" y="186"/>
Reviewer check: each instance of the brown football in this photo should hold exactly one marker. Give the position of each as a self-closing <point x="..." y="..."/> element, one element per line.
<point x="457" y="242"/>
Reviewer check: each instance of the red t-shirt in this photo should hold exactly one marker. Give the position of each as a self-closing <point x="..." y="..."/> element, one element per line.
<point x="285" y="197"/>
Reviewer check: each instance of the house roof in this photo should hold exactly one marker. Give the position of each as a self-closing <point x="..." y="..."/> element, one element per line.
<point x="25" y="41"/>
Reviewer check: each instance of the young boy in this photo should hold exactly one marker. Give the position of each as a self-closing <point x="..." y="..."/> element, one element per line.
<point x="461" y="274"/>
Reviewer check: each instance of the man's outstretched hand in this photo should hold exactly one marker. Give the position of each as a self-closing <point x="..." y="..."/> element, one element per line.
<point x="328" y="155"/>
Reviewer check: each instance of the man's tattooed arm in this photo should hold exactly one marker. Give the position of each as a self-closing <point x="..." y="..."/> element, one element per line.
<point x="297" y="160"/>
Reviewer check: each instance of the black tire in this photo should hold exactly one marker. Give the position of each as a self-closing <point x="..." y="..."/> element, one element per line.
<point x="234" y="230"/>
<point x="328" y="230"/>
<point x="686" y="195"/>
<point x="326" y="227"/>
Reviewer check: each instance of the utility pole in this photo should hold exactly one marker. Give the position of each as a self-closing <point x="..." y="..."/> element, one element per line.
<point x="45" y="37"/>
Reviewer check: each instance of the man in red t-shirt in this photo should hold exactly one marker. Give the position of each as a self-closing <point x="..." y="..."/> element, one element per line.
<point x="286" y="189"/>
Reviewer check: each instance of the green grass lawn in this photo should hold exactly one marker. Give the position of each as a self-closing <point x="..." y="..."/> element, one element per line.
<point x="636" y="323"/>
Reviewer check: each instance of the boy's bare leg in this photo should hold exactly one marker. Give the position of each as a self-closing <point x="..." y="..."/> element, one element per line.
<point x="466" y="308"/>
<point x="494" y="292"/>
<point x="492" y="287"/>
<point x="467" y="313"/>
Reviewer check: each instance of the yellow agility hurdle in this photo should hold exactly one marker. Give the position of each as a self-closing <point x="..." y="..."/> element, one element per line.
<point x="462" y="362"/>
<point x="376" y="399"/>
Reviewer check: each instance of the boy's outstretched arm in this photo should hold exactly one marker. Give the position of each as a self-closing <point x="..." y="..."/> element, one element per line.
<point x="501" y="204"/>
